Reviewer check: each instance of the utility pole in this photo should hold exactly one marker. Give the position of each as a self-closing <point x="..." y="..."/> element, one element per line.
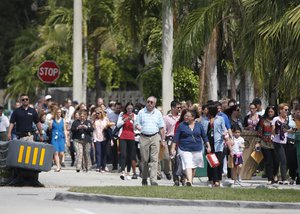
<point x="77" y="51"/>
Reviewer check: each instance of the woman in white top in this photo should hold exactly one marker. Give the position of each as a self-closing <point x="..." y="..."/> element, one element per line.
<point x="100" y="123"/>
<point x="279" y="137"/>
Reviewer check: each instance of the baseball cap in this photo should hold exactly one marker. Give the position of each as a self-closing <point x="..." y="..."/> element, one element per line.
<point x="48" y="97"/>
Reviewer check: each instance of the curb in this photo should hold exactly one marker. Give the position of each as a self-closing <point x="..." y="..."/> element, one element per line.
<point x="173" y="202"/>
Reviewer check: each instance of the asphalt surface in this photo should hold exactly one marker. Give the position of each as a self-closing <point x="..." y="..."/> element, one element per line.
<point x="68" y="177"/>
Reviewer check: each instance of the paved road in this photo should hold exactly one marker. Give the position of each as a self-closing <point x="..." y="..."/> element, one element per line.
<point x="40" y="200"/>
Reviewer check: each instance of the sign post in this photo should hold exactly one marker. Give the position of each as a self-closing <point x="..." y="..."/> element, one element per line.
<point x="48" y="71"/>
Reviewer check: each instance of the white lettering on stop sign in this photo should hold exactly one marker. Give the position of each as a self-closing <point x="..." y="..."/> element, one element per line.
<point x="48" y="71"/>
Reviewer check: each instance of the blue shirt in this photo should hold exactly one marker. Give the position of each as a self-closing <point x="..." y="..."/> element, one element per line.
<point x="190" y="140"/>
<point x="226" y="120"/>
<point x="219" y="130"/>
<point x="150" y="122"/>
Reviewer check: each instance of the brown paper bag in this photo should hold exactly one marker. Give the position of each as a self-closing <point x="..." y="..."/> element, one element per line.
<point x="230" y="162"/>
<point x="161" y="152"/>
<point x="257" y="156"/>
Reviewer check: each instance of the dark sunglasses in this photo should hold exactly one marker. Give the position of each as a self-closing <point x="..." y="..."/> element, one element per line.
<point x="97" y="113"/>
<point x="150" y="101"/>
<point x="25" y="99"/>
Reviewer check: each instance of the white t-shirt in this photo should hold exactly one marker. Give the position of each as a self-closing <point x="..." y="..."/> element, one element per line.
<point x="276" y="138"/>
<point x="4" y="123"/>
<point x="238" y="145"/>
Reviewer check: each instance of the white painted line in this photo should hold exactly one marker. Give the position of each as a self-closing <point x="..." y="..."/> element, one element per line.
<point x="84" y="211"/>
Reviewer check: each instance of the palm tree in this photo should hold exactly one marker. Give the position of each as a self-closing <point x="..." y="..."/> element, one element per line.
<point x="274" y="30"/>
<point x="205" y="33"/>
<point x="100" y="21"/>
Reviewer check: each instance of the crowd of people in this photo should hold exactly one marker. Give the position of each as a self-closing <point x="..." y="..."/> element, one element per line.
<point x="138" y="140"/>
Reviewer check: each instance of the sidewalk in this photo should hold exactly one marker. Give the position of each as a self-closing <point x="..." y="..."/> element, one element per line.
<point x="68" y="177"/>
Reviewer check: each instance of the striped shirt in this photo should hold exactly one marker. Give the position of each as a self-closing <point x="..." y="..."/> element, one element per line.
<point x="150" y="122"/>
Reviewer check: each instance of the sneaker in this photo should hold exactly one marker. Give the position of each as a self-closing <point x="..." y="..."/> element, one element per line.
<point x="292" y="182"/>
<point x="63" y="164"/>
<point x="285" y="182"/>
<point x="97" y="170"/>
<point x="176" y="183"/>
<point x="153" y="183"/>
<point x="159" y="177"/>
<point x="106" y="169"/>
<point x="134" y="176"/>
<point x="144" y="182"/>
<point x="122" y="176"/>
<point x="77" y="170"/>
<point x="168" y="176"/>
<point x="188" y="184"/>
<point x="128" y="177"/>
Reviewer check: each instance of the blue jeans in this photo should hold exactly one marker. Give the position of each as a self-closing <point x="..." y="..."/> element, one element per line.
<point x="101" y="148"/>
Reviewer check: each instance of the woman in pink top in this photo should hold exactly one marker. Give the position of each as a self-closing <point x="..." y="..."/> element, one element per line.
<point x="100" y="122"/>
<point x="127" y="142"/>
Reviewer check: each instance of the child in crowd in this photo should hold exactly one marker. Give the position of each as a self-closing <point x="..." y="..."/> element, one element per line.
<point x="237" y="151"/>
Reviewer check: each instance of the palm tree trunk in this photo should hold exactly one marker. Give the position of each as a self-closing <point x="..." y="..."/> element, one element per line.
<point x="85" y="64"/>
<point x="208" y="72"/>
<point x="77" y="51"/>
<point x="167" y="51"/>
<point x="233" y="73"/>
<point x="97" y="73"/>
<point x="85" y="56"/>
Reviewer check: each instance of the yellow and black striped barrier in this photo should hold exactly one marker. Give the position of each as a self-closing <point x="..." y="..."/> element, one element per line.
<point x="30" y="155"/>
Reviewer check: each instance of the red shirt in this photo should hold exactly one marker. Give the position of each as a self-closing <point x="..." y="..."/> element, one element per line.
<point x="127" y="129"/>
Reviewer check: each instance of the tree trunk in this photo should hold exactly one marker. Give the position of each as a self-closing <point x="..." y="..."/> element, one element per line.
<point x="211" y="68"/>
<point x="208" y="72"/>
<point x="85" y="66"/>
<point x="85" y="58"/>
<point x="97" y="73"/>
<point x="233" y="73"/>
<point x="167" y="50"/>
<point x="77" y="51"/>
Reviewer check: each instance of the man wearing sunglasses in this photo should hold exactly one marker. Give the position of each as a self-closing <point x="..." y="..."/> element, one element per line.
<point x="151" y="124"/>
<point x="23" y="118"/>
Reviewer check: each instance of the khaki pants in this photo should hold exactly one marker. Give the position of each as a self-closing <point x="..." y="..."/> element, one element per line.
<point x="82" y="154"/>
<point x="149" y="155"/>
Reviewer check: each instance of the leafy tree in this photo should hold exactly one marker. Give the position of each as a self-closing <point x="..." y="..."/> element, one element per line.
<point x="186" y="84"/>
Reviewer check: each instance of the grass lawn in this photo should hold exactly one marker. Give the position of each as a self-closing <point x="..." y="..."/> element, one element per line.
<point x="194" y="193"/>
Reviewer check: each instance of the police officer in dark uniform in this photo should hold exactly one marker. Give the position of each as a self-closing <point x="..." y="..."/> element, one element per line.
<point x="23" y="118"/>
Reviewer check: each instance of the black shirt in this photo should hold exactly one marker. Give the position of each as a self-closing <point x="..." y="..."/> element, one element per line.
<point x="24" y="119"/>
<point x="82" y="134"/>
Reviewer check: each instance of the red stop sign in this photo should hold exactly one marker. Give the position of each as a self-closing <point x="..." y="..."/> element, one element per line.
<point x="48" y="71"/>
